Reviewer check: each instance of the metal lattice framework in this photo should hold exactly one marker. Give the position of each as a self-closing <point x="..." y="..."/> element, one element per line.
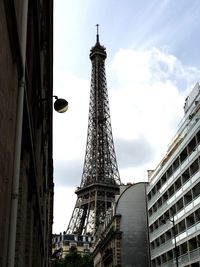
<point x="100" y="180"/>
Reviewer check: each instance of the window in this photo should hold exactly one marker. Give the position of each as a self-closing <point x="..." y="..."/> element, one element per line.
<point x="86" y="246"/>
<point x="183" y="155"/>
<point x="192" y="145"/>
<point x="72" y="245"/>
<point x="194" y="167"/>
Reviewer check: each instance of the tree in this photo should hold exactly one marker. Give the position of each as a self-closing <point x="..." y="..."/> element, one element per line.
<point x="87" y="261"/>
<point x="74" y="259"/>
<point x="58" y="263"/>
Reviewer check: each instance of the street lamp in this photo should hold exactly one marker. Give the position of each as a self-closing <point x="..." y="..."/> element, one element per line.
<point x="60" y="105"/>
<point x="174" y="235"/>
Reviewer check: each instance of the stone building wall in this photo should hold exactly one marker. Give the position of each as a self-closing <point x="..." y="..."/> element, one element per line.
<point x="124" y="239"/>
<point x="35" y="194"/>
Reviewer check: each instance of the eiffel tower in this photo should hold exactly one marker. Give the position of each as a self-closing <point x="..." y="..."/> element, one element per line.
<point x="100" y="179"/>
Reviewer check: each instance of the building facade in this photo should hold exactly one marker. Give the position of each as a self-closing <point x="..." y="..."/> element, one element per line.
<point x="62" y="244"/>
<point x="124" y="237"/>
<point x="26" y="166"/>
<point x="174" y="195"/>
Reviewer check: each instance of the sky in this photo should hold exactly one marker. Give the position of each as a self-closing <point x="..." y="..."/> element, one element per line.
<point x="152" y="65"/>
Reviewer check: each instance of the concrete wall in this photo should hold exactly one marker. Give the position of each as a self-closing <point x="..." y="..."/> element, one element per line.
<point x="134" y="244"/>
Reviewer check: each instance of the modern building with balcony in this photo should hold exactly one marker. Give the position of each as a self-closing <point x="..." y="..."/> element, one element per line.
<point x="174" y="195"/>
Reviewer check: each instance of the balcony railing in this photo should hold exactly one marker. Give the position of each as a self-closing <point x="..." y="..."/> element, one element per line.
<point x="170" y="244"/>
<point x="155" y="176"/>
<point x="174" y="197"/>
<point x="174" y="176"/>
<point x="184" y="259"/>
<point x="164" y="227"/>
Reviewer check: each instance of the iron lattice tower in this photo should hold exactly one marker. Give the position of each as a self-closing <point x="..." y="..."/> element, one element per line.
<point x="100" y="179"/>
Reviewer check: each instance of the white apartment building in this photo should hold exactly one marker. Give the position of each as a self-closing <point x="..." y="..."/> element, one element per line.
<point x="174" y="195"/>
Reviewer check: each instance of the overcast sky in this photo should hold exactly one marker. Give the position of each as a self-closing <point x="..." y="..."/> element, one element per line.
<point x="152" y="64"/>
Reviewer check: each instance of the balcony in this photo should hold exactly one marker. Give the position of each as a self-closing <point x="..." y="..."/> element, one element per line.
<point x="174" y="176"/>
<point x="193" y="255"/>
<point x="180" y="237"/>
<point x="162" y="169"/>
<point x="189" y="184"/>
<point x="183" y="212"/>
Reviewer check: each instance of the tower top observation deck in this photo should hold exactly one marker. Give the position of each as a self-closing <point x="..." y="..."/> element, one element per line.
<point x="98" y="49"/>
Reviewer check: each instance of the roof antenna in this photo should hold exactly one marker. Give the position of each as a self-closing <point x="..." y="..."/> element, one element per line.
<point x="97" y="33"/>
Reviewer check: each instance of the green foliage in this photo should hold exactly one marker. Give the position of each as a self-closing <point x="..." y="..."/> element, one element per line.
<point x="58" y="263"/>
<point x="87" y="261"/>
<point x="74" y="259"/>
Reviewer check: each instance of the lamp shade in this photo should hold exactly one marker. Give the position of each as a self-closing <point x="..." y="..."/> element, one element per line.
<point x="61" y="105"/>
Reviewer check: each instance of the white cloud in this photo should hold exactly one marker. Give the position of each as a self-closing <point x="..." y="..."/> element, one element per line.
<point x="150" y="66"/>
<point x="146" y="103"/>
<point x="70" y="128"/>
<point x="64" y="202"/>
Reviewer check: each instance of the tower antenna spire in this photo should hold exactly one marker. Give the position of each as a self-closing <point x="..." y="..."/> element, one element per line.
<point x="97" y="25"/>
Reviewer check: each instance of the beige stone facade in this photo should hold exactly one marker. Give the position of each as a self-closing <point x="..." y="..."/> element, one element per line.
<point x="107" y="250"/>
<point x="64" y="243"/>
